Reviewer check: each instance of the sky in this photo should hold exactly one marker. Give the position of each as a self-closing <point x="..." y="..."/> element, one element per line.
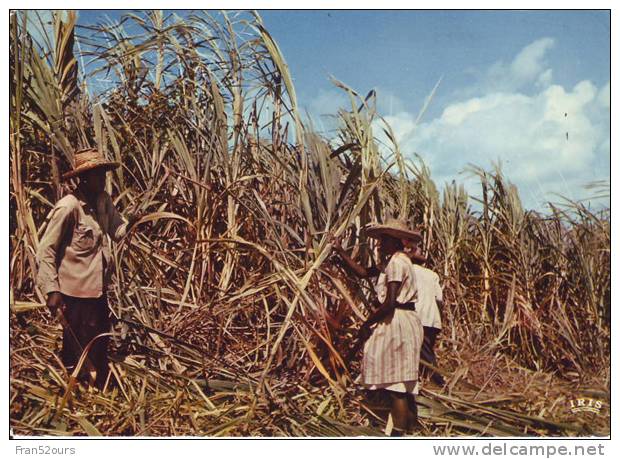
<point x="529" y="89"/>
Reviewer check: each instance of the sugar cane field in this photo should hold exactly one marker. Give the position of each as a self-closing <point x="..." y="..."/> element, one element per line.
<point x="230" y="313"/>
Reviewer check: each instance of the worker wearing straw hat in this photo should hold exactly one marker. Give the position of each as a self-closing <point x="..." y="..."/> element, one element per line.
<point x="430" y="298"/>
<point x="74" y="262"/>
<point x="392" y="350"/>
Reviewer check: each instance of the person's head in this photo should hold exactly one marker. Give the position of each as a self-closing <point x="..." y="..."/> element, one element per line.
<point x="389" y="245"/>
<point x="410" y="245"/>
<point x="392" y="235"/>
<point x="414" y="251"/>
<point x="91" y="167"/>
<point x="93" y="181"/>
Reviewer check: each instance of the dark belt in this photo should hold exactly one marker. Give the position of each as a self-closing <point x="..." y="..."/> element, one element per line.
<point x="409" y="306"/>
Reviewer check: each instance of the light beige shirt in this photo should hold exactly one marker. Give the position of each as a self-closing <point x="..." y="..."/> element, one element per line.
<point x="429" y="292"/>
<point x="73" y="256"/>
<point x="398" y="269"/>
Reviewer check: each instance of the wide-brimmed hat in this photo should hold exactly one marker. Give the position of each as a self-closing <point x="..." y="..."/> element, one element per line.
<point x="89" y="159"/>
<point x="393" y="227"/>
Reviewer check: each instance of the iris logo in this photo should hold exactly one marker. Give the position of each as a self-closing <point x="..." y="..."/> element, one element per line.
<point x="581" y="405"/>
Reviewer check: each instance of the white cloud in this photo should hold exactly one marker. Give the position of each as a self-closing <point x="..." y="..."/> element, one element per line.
<point x="328" y="102"/>
<point x="529" y="63"/>
<point x="604" y="96"/>
<point x="550" y="139"/>
<point x="545" y="78"/>
<point x="528" y="67"/>
<point x="323" y="109"/>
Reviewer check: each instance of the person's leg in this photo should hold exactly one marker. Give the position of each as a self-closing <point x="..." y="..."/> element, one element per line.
<point x="432" y="338"/>
<point x="71" y="347"/>
<point x="85" y="318"/>
<point x="412" y="420"/>
<point x="87" y="330"/>
<point x="103" y="364"/>
<point x="426" y="353"/>
<point x="98" y="323"/>
<point x="400" y="413"/>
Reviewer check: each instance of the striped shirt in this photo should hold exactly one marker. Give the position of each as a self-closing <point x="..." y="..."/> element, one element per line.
<point x="399" y="269"/>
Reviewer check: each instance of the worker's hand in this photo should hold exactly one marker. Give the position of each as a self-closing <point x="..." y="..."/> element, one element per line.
<point x="55" y="303"/>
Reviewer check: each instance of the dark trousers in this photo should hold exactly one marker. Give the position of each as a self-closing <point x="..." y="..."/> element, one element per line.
<point x="85" y="319"/>
<point x="428" y="353"/>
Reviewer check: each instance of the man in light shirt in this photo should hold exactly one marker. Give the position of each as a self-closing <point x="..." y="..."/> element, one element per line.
<point x="74" y="263"/>
<point x="430" y="299"/>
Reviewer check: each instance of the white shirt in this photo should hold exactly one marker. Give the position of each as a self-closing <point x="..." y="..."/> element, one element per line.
<point x="429" y="292"/>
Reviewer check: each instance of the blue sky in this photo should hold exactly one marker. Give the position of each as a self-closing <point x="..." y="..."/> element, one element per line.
<point x="529" y="88"/>
<point x="405" y="52"/>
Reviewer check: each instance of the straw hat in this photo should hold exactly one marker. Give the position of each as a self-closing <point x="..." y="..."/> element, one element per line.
<point x="393" y="227"/>
<point x="88" y="159"/>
